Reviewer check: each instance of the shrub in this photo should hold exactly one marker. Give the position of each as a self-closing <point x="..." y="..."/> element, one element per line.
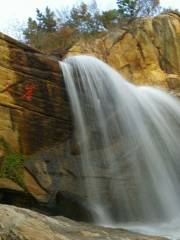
<point x="12" y="164"/>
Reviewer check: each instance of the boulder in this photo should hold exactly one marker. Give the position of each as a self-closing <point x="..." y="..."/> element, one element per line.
<point x="17" y="223"/>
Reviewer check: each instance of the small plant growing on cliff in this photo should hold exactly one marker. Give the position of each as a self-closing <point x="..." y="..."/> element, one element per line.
<point x="11" y="165"/>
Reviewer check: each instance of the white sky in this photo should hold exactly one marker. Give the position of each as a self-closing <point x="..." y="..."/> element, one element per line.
<point x="15" y="12"/>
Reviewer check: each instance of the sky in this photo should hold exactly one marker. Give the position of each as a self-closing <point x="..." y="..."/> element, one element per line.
<point x="14" y="13"/>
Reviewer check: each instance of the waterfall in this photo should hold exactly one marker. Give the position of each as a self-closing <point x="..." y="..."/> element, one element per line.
<point x="129" y="138"/>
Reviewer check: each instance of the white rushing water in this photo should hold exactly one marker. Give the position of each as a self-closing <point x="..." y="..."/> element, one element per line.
<point x="129" y="138"/>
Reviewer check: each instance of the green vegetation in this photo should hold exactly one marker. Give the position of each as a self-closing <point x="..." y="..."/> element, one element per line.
<point x="11" y="164"/>
<point x="110" y="19"/>
<point x="57" y="32"/>
<point x="45" y="24"/>
<point x="49" y="31"/>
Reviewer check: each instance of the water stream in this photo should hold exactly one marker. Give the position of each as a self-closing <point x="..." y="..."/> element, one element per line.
<point x="129" y="138"/>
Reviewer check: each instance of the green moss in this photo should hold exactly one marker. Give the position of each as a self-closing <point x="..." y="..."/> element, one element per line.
<point x="12" y="164"/>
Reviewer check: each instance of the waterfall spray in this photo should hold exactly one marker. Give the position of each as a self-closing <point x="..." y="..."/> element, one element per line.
<point x="130" y="133"/>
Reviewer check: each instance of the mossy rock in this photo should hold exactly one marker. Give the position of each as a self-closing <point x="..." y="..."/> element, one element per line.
<point x="11" y="163"/>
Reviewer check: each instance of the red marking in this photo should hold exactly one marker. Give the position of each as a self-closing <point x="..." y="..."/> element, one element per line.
<point x="28" y="91"/>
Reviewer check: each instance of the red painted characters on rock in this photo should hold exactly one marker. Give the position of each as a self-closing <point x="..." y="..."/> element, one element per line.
<point x="28" y="91"/>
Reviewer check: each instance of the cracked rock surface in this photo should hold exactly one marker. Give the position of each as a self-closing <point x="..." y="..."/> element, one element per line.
<point x="147" y="52"/>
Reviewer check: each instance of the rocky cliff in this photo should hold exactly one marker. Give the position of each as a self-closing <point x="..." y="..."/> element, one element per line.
<point x="147" y="52"/>
<point x="34" y="114"/>
<point x="33" y="103"/>
<point x="35" y="118"/>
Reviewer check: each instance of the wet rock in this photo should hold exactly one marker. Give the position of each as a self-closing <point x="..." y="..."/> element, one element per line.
<point x="73" y="207"/>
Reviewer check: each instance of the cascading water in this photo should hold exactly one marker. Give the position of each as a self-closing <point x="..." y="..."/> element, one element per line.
<point x="129" y="138"/>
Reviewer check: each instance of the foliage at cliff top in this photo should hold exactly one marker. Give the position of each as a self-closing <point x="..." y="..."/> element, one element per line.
<point x="60" y="31"/>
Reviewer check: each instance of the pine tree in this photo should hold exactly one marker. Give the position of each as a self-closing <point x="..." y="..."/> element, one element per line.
<point x="31" y="31"/>
<point x="110" y="18"/>
<point x="47" y="21"/>
<point x="85" y="18"/>
<point x="36" y="29"/>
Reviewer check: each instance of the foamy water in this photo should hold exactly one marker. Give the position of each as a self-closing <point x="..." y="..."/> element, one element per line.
<point x="137" y="148"/>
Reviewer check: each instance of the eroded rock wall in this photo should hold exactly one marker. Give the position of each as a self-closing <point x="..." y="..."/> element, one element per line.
<point x="34" y="108"/>
<point x="34" y="115"/>
<point x="147" y="53"/>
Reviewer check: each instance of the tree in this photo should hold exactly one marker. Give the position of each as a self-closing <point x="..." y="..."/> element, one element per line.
<point x="137" y="8"/>
<point x="85" y="18"/>
<point x="37" y="30"/>
<point x="110" y="19"/>
<point x="47" y="21"/>
<point x="31" y="31"/>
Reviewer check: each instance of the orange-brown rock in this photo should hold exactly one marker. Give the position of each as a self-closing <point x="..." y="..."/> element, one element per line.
<point x="148" y="52"/>
<point x="6" y="183"/>
<point x="34" y="188"/>
<point x="34" y="110"/>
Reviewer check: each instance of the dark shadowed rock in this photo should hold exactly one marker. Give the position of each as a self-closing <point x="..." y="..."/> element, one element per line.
<point x="73" y="207"/>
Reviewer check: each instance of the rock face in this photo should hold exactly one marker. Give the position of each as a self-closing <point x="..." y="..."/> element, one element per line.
<point x="6" y="183"/>
<point x="33" y="103"/>
<point x="34" y="115"/>
<point x="35" y="118"/>
<point x="148" y="52"/>
<point x="19" y="223"/>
